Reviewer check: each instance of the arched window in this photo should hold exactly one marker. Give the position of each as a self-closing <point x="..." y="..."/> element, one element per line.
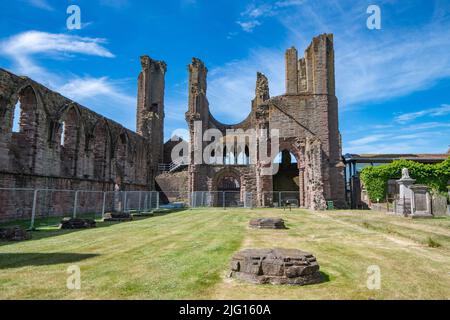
<point x="120" y="155"/>
<point x="63" y="134"/>
<point x="100" y="148"/>
<point x="229" y="183"/>
<point x="71" y="141"/>
<point x="243" y="157"/>
<point x="285" y="157"/>
<point x="16" y="117"/>
<point x="24" y="117"/>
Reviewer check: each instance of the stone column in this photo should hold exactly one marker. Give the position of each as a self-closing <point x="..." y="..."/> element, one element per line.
<point x="301" y="183"/>
<point x="291" y="71"/>
<point x="404" y="206"/>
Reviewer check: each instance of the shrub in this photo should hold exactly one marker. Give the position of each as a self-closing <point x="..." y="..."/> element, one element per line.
<point x="375" y="179"/>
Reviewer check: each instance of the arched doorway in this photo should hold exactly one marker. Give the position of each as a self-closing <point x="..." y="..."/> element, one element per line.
<point x="228" y="189"/>
<point x="286" y="182"/>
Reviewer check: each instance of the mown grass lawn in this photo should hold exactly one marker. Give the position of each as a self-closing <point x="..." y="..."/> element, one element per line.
<point x="185" y="255"/>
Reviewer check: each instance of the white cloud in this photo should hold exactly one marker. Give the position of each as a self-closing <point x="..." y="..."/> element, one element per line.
<point x="430" y="137"/>
<point x="371" y="66"/>
<point x="255" y="13"/>
<point x="368" y="139"/>
<point x="23" y="47"/>
<point x="248" y="26"/>
<point x="232" y="86"/>
<point x="432" y="112"/>
<point x="392" y="142"/>
<point x="41" y="4"/>
<point x="82" y="88"/>
<point x="102" y="94"/>
<point x="34" y="42"/>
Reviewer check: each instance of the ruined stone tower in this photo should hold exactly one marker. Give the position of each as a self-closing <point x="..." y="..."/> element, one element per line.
<point x="306" y="117"/>
<point x="150" y="109"/>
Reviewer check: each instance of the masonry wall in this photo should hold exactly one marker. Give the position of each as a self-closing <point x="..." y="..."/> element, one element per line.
<point x="61" y="144"/>
<point x="306" y="117"/>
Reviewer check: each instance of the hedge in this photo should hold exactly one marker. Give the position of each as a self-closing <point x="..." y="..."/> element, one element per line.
<point x="375" y="179"/>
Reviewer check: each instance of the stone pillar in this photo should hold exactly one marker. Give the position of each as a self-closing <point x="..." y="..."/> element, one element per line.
<point x="150" y="109"/>
<point x="405" y="193"/>
<point x="302" y="187"/>
<point x="291" y="71"/>
<point x="262" y="89"/>
<point x="302" y="81"/>
<point x="320" y="65"/>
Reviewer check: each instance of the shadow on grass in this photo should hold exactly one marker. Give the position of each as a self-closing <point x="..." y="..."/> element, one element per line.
<point x="18" y="260"/>
<point x="325" y="277"/>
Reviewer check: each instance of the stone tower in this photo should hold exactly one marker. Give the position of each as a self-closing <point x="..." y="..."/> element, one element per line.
<point x="306" y="118"/>
<point x="150" y="107"/>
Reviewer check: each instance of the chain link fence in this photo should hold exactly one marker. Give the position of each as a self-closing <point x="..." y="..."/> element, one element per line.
<point x="45" y="208"/>
<point x="279" y="199"/>
<point x="221" y="199"/>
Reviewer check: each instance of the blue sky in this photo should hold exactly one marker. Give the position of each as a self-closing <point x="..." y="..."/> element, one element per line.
<point x="393" y="84"/>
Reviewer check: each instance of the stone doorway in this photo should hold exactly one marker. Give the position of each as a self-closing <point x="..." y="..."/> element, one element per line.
<point x="228" y="191"/>
<point x="286" y="182"/>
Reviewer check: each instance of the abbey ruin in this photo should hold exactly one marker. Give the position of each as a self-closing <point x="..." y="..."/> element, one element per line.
<point x="64" y="145"/>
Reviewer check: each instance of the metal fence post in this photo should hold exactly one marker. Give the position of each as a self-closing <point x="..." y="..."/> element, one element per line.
<point x="33" y="210"/>
<point x="140" y="198"/>
<point x="223" y="200"/>
<point x="124" y="201"/>
<point x="157" y="200"/>
<point x="104" y="204"/>
<point x="75" y="203"/>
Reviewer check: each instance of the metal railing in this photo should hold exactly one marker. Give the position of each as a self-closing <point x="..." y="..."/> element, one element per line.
<point x="221" y="199"/>
<point x="279" y="199"/>
<point x="170" y="167"/>
<point x="35" y="207"/>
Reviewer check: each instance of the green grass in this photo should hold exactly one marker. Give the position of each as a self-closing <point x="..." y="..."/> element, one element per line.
<point x="186" y="254"/>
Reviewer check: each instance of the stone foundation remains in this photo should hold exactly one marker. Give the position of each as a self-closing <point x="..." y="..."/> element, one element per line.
<point x="117" y="217"/>
<point x="267" y="223"/>
<point x="14" y="233"/>
<point x="276" y="266"/>
<point x="74" y="223"/>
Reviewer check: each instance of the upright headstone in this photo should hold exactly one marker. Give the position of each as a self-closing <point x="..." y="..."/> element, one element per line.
<point x="414" y="200"/>
<point x="405" y="193"/>
<point x="421" y="202"/>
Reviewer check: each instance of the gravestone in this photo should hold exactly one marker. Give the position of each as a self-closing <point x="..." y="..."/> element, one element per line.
<point x="276" y="266"/>
<point x="267" y="223"/>
<point x="14" y="233"/>
<point x="405" y="193"/>
<point x="414" y="200"/>
<point x="421" y="202"/>
<point x="74" y="223"/>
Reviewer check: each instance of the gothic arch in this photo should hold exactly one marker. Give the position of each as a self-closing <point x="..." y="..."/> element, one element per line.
<point x="101" y="150"/>
<point x="70" y="138"/>
<point x="25" y="142"/>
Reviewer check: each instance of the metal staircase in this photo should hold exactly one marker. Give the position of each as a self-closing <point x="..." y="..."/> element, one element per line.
<point x="172" y="167"/>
